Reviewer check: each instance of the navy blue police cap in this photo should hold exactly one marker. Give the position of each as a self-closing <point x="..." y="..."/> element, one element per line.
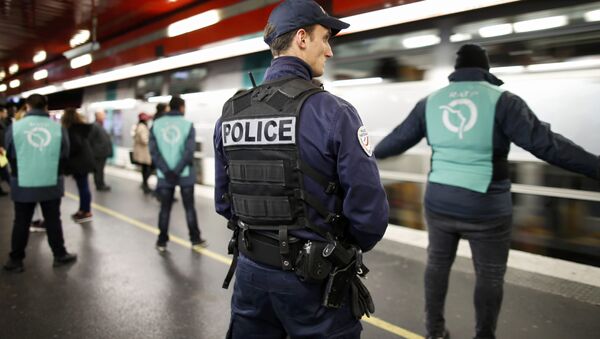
<point x="294" y="14"/>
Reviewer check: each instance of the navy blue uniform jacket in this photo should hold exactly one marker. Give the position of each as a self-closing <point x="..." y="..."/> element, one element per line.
<point x="328" y="142"/>
<point x="514" y="122"/>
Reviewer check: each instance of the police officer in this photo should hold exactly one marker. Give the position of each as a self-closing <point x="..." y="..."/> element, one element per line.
<point x="172" y="145"/>
<point x="36" y="147"/>
<point x="297" y="182"/>
<point x="470" y="124"/>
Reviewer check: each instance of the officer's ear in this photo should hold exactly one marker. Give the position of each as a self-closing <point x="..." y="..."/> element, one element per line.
<point x="301" y="38"/>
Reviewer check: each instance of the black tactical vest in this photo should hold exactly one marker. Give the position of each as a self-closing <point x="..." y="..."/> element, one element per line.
<point x="260" y="132"/>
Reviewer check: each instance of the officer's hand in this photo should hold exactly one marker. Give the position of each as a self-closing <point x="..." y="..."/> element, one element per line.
<point x="171" y="177"/>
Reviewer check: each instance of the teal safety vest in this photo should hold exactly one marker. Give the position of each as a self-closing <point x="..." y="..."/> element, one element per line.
<point x="37" y="141"/>
<point x="460" y="123"/>
<point x="171" y="133"/>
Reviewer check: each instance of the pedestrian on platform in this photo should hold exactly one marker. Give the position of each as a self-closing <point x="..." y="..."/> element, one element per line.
<point x="102" y="149"/>
<point x="172" y="146"/>
<point x="470" y="125"/>
<point x="81" y="161"/>
<point x="4" y="172"/>
<point x="141" y="151"/>
<point x="296" y="179"/>
<point x="36" y="147"/>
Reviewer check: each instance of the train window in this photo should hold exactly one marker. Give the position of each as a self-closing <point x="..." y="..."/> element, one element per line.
<point x="187" y="81"/>
<point x="149" y="86"/>
<point x="395" y="58"/>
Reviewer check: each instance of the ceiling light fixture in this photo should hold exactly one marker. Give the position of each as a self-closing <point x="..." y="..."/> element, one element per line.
<point x="41" y="74"/>
<point x="14" y="68"/>
<point x="39" y="57"/>
<point x="458" y="37"/>
<point x="2" y="75"/>
<point x="3" y="88"/>
<point x="14" y="83"/>
<point x="421" y="41"/>
<point x="81" y="61"/>
<point x="42" y="90"/>
<point x="79" y="38"/>
<point x="495" y="30"/>
<point x="194" y="23"/>
<point x="540" y="24"/>
<point x="592" y="15"/>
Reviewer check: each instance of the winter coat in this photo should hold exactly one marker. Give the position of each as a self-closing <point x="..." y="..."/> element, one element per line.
<point x="141" y="153"/>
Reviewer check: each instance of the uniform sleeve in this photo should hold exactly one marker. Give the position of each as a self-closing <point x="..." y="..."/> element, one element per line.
<point x="522" y="127"/>
<point x="157" y="158"/>
<point x="405" y="135"/>
<point x="188" y="154"/>
<point x="365" y="202"/>
<point x="222" y="206"/>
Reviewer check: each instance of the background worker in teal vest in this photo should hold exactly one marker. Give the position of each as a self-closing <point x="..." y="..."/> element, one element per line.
<point x="36" y="147"/>
<point x="172" y="145"/>
<point x="470" y="124"/>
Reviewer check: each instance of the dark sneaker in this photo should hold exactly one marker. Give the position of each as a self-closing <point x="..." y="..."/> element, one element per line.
<point x="445" y="335"/>
<point x="104" y="188"/>
<point x="64" y="259"/>
<point x="198" y="244"/>
<point x="81" y="217"/>
<point x="161" y="246"/>
<point x="37" y="226"/>
<point x="15" y="266"/>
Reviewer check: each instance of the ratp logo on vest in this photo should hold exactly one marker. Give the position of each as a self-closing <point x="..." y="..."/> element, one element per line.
<point x="39" y="137"/>
<point x="465" y="123"/>
<point x="171" y="134"/>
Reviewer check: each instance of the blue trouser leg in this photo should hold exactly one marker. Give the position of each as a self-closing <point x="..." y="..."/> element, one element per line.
<point x="272" y="304"/>
<point x="85" y="196"/>
<point x="187" y="195"/>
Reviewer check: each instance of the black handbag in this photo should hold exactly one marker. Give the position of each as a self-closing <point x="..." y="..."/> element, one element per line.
<point x="132" y="160"/>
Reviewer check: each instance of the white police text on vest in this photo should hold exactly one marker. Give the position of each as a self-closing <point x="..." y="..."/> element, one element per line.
<point x="269" y="131"/>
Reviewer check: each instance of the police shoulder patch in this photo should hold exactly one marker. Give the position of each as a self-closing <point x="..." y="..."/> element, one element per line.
<point x="364" y="140"/>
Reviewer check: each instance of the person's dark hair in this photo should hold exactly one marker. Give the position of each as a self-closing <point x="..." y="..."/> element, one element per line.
<point x="37" y="101"/>
<point x="71" y="117"/>
<point x="284" y="41"/>
<point x="176" y="103"/>
<point x="161" y="108"/>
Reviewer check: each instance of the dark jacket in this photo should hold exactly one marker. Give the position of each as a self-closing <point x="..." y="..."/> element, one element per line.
<point x="100" y="141"/>
<point x="186" y="160"/>
<point x="81" y="158"/>
<point x="26" y="194"/>
<point x="4" y="125"/>
<point x="514" y="122"/>
<point x="328" y="142"/>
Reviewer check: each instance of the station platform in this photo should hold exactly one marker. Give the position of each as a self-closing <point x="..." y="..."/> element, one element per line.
<point x="121" y="287"/>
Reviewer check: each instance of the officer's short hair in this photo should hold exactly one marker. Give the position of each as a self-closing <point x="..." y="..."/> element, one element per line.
<point x="176" y="103"/>
<point x="37" y="101"/>
<point x="283" y="42"/>
<point x="161" y="108"/>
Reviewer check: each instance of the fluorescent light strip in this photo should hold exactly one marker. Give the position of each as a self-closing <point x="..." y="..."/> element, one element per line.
<point x="563" y="66"/>
<point x="421" y="41"/>
<point x="41" y="74"/>
<point x="81" y="61"/>
<point x="592" y="16"/>
<point x="39" y="57"/>
<point x="14" y="83"/>
<point x="540" y="24"/>
<point x="507" y="70"/>
<point x="198" y="57"/>
<point x="43" y="91"/>
<point x="115" y="104"/>
<point x="495" y="30"/>
<point x="458" y="37"/>
<point x="414" y="12"/>
<point x="194" y="23"/>
<point x="356" y="82"/>
<point x="79" y="38"/>
<point x="3" y="87"/>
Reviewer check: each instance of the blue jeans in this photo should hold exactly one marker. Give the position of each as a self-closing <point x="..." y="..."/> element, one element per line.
<point x="489" y="241"/>
<point x="85" y="196"/>
<point x="166" y="203"/>
<point x="269" y="303"/>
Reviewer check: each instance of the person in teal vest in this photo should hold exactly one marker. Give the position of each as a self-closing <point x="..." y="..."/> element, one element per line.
<point x="172" y="145"/>
<point x="36" y="147"/>
<point x="470" y="125"/>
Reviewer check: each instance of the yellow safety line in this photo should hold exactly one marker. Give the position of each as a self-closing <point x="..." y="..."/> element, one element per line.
<point x="382" y="324"/>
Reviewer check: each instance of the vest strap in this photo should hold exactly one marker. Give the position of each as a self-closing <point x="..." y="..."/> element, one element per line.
<point x="257" y="171"/>
<point x="264" y="207"/>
